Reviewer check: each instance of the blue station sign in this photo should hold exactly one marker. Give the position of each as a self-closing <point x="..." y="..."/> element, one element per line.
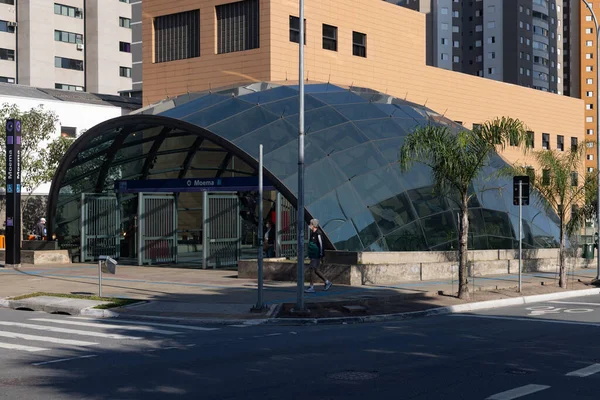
<point x="237" y="184"/>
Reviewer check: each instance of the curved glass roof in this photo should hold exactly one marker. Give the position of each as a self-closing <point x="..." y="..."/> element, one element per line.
<point x="353" y="182"/>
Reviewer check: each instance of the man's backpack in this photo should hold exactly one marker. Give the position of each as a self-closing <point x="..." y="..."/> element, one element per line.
<point x="313" y="250"/>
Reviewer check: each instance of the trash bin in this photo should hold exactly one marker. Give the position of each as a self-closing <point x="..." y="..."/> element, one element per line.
<point x="588" y="251"/>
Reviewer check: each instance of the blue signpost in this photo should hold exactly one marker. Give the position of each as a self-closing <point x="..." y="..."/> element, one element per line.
<point x="237" y="184"/>
<point x="13" y="192"/>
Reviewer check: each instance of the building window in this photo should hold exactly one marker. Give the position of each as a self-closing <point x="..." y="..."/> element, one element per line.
<point x="329" y="37"/>
<point x="588" y="18"/>
<point x="530" y="140"/>
<point x="589" y="119"/>
<point x="560" y="142"/>
<point x="546" y="141"/>
<point x="590" y="131"/>
<point x="574" y="179"/>
<point x="10" y="2"/>
<point x="68" y="131"/>
<point x="491" y="24"/>
<point x="589" y="56"/>
<point x="444" y="10"/>
<point x="64" y="86"/>
<point x="574" y="144"/>
<point x="444" y="56"/>
<point x="491" y="70"/>
<point x="125" y="72"/>
<point x="124" y="22"/>
<point x="456" y="44"/>
<point x="456" y="59"/>
<point x="589" y="43"/>
<point x="589" y="106"/>
<point x="68" y="63"/>
<point x="68" y="11"/>
<point x="359" y="44"/>
<point x="478" y="43"/>
<point x="125" y="1"/>
<point x="492" y="39"/>
<point x="6" y="26"/>
<point x="455" y="29"/>
<point x="545" y="177"/>
<point x="589" y="81"/>
<point x="444" y="41"/>
<point x="478" y="28"/>
<point x="295" y="29"/>
<point x="125" y="47"/>
<point x="492" y="55"/>
<point x="588" y="30"/>
<point x="68" y="37"/>
<point x="176" y="37"/>
<point x="6" y="79"/>
<point x="237" y="26"/>
<point x="589" y="68"/>
<point x="7" y="54"/>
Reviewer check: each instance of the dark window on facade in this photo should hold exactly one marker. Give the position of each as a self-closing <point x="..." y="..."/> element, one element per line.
<point x="125" y="72"/>
<point x="574" y="144"/>
<point x="68" y="63"/>
<point x="329" y="37"/>
<point x="68" y="37"/>
<point x="237" y="26"/>
<point x="295" y="29"/>
<point x="6" y="26"/>
<point x="125" y="47"/>
<point x="530" y="172"/>
<point x="574" y="178"/>
<point x="7" y="54"/>
<point x="68" y="11"/>
<point x="64" y="86"/>
<point x="530" y="139"/>
<point x="124" y="22"/>
<point x="560" y="142"/>
<point x="176" y="36"/>
<point x="68" y="131"/>
<point x="545" y="177"/>
<point x="546" y="141"/>
<point x="359" y="44"/>
<point x="11" y="2"/>
<point x="6" y="79"/>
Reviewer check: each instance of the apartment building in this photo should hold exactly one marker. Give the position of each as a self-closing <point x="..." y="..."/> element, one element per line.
<point x="80" y="45"/>
<point x="588" y="84"/>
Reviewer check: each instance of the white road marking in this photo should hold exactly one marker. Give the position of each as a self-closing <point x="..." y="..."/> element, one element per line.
<point x="193" y="328"/>
<point x="15" y="335"/>
<point x="587" y="371"/>
<point x="106" y="326"/>
<point x="518" y="392"/>
<point x="71" y="331"/>
<point x="64" y="359"/>
<point x="240" y="326"/>
<point x="575" y="302"/>
<point x="21" y="347"/>
<point x="550" y="321"/>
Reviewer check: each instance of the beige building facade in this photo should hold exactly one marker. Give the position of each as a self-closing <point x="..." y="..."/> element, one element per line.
<point x="82" y="45"/>
<point x="368" y="43"/>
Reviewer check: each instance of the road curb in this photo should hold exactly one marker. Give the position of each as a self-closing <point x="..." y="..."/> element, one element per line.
<point x="98" y="313"/>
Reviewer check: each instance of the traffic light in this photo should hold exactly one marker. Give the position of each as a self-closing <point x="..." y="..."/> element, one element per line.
<point x="248" y="207"/>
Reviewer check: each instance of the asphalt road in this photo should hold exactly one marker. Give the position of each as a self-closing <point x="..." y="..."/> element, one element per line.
<point x="538" y="351"/>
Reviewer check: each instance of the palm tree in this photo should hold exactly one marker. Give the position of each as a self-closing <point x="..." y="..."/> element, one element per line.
<point x="455" y="160"/>
<point x="562" y="189"/>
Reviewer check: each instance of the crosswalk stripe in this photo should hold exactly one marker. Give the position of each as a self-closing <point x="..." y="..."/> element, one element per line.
<point x="106" y="326"/>
<point x="72" y="331"/>
<point x="15" y="335"/>
<point x="21" y="347"/>
<point x="193" y="328"/>
<point x="587" y="371"/>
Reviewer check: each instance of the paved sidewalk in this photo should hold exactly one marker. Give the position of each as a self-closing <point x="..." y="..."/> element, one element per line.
<point x="219" y="294"/>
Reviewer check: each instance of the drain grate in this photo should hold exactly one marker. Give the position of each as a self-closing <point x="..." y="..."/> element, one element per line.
<point x="353" y="376"/>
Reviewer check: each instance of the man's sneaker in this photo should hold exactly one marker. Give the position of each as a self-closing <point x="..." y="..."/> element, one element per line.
<point x="310" y="289"/>
<point x="328" y="285"/>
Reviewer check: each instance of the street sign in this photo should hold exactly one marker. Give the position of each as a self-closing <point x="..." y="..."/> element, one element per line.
<point x="233" y="184"/>
<point x="13" y="198"/>
<point x="525" y="182"/>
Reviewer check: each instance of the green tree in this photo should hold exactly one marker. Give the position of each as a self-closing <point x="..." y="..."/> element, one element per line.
<point x="455" y="160"/>
<point x="562" y="189"/>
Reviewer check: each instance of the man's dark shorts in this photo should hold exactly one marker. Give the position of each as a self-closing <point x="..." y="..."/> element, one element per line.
<point x="314" y="263"/>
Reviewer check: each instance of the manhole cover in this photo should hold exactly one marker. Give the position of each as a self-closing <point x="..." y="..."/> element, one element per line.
<point x="353" y="376"/>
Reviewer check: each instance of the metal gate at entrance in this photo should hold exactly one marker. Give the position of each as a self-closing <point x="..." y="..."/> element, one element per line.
<point x="157" y="229"/>
<point x="221" y="233"/>
<point x="100" y="226"/>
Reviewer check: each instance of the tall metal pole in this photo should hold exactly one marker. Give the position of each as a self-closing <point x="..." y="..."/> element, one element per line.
<point x="588" y="5"/>
<point x="260" y="303"/>
<point x="300" y="231"/>
<point x="520" y="230"/>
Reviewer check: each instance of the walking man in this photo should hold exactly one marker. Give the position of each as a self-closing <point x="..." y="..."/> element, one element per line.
<point x="315" y="253"/>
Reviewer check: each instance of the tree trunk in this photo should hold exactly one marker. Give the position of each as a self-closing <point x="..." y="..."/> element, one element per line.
<point x="463" y="232"/>
<point x="562" y="281"/>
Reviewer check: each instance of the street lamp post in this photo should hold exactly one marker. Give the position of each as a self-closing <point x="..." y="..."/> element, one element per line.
<point x="589" y="6"/>
<point x="300" y="204"/>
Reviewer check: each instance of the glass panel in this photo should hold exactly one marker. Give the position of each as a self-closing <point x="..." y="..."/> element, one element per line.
<point x="390" y="148"/>
<point x="167" y="163"/>
<point x="497" y="223"/>
<point x="381" y="129"/>
<point x="217" y="113"/>
<point x="490" y="197"/>
<point x="328" y="211"/>
<point x="367" y="229"/>
<point x="320" y="118"/>
<point x="272" y="136"/>
<point x="476" y="222"/>
<point x="360" y="111"/>
<point x="243" y="123"/>
<point x="345" y="238"/>
<point x="195" y="105"/>
<point x="419" y="175"/>
<point x="332" y="98"/>
<point x="358" y="160"/>
<point x="408" y="238"/>
<point x="291" y="106"/>
<point x="440" y="228"/>
<point x="426" y="202"/>
<point x="270" y="95"/>
<point x="407" y="124"/>
<point x="317" y="183"/>
<point x="282" y="162"/>
<point x="393" y="213"/>
<point x="379" y="245"/>
<point x="320" y="88"/>
<point x="419" y="114"/>
<point x="377" y="186"/>
<point x="350" y="201"/>
<point x="337" y="138"/>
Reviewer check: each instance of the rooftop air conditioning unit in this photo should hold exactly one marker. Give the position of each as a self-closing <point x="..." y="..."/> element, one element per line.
<point x="12" y="23"/>
<point x="80" y="46"/>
